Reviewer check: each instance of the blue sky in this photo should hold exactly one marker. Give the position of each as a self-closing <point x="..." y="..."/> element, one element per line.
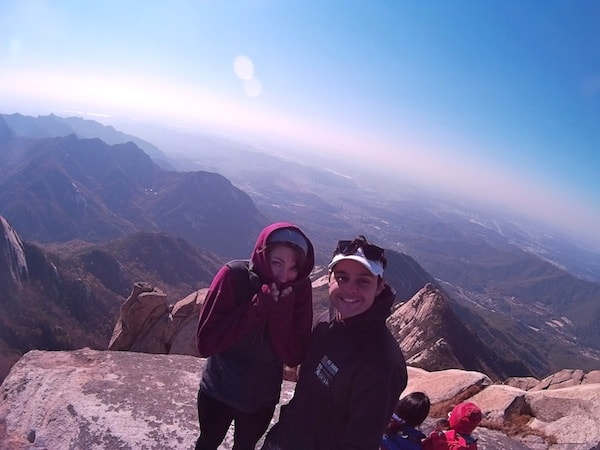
<point x="497" y="100"/>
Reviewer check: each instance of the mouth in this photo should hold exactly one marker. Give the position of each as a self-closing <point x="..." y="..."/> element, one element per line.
<point x="349" y="300"/>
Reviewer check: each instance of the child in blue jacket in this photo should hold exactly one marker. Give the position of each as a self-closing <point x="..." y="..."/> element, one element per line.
<point x="402" y="432"/>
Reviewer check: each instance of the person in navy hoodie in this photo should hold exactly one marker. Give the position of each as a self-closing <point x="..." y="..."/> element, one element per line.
<point x="256" y="317"/>
<point x="350" y="383"/>
<point x="402" y="432"/>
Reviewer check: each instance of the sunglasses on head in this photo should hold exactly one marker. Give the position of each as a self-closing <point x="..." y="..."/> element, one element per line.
<point x="372" y="252"/>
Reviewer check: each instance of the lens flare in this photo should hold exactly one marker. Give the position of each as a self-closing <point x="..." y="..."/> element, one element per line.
<point x="243" y="67"/>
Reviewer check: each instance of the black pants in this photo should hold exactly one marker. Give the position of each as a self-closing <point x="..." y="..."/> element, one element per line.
<point x="215" y="417"/>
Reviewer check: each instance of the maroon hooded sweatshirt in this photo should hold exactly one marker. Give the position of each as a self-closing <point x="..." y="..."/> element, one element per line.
<point x="247" y="336"/>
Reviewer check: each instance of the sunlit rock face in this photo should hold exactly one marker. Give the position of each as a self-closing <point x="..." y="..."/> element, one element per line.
<point x="94" y="399"/>
<point x="148" y="324"/>
<point x="13" y="265"/>
<point x="86" y="399"/>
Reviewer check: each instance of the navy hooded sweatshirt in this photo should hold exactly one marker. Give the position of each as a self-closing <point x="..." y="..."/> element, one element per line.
<point x="348" y="386"/>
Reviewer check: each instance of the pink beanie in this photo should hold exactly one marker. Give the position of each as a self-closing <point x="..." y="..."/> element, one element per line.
<point x="465" y="417"/>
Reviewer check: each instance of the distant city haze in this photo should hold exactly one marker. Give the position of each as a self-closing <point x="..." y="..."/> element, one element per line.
<point x="495" y="103"/>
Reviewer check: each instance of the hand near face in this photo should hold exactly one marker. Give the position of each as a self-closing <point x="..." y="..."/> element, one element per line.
<point x="287" y="291"/>
<point x="277" y="294"/>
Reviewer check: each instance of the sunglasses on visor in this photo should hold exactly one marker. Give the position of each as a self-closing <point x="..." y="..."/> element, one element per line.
<point x="372" y="252"/>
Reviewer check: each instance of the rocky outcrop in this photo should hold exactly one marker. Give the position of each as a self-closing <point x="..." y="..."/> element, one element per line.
<point x="567" y="378"/>
<point x="555" y="419"/>
<point x="562" y="379"/>
<point x="88" y="399"/>
<point x="428" y="330"/>
<point x="147" y="323"/>
<point x="121" y="400"/>
<point x="450" y="385"/>
<point x="13" y="264"/>
<point x="524" y="383"/>
<point x="433" y="336"/>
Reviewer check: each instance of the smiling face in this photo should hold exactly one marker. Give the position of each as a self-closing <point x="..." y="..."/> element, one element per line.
<point x="352" y="288"/>
<point x="283" y="263"/>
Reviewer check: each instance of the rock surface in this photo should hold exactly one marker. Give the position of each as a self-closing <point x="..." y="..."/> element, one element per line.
<point x="12" y="257"/>
<point x="428" y="331"/>
<point x="562" y="379"/>
<point x="147" y="323"/>
<point x="434" y="336"/>
<point x="90" y="399"/>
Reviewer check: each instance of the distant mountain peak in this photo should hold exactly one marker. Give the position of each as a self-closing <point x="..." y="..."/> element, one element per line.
<point x="432" y="336"/>
<point x="6" y="132"/>
<point x="13" y="264"/>
<point x="418" y="325"/>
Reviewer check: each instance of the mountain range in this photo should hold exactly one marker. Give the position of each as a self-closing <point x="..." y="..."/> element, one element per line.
<point x="98" y="216"/>
<point x="67" y="296"/>
<point x="64" y="188"/>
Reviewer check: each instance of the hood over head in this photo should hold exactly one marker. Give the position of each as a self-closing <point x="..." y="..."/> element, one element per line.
<point x="465" y="417"/>
<point x="276" y="233"/>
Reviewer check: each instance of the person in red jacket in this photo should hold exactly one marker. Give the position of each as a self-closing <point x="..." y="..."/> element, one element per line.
<point x="462" y="420"/>
<point x="350" y="382"/>
<point x="256" y="317"/>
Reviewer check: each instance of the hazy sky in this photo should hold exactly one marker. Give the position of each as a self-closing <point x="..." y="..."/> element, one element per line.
<point x="496" y="99"/>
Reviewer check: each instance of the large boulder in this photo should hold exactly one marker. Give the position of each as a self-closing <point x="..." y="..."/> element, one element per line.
<point x="571" y="415"/>
<point x="89" y="399"/>
<point x="448" y="386"/>
<point x="524" y="383"/>
<point x="501" y="403"/>
<point x="148" y="324"/>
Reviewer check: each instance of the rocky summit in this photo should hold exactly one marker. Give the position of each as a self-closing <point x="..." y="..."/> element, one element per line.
<point x="90" y="399"/>
<point x="12" y="258"/>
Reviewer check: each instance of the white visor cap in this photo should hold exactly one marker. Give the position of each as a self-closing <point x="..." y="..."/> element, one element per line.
<point x="375" y="267"/>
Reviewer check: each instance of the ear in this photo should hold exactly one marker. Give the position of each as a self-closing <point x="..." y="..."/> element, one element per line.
<point x="330" y="278"/>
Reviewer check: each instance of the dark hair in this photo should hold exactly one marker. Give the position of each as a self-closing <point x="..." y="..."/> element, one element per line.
<point x="412" y="409"/>
<point x="371" y="251"/>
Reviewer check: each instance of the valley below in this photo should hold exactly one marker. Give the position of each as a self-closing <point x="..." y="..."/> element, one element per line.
<point x="528" y="294"/>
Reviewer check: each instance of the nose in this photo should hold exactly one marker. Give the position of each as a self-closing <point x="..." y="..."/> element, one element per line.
<point x="349" y="288"/>
<point x="281" y="276"/>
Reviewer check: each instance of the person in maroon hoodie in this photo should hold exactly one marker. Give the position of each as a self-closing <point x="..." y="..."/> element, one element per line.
<point x="256" y="317"/>
<point x="354" y="373"/>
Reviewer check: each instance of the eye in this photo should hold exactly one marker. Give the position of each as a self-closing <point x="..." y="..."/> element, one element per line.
<point x="341" y="278"/>
<point x="364" y="282"/>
